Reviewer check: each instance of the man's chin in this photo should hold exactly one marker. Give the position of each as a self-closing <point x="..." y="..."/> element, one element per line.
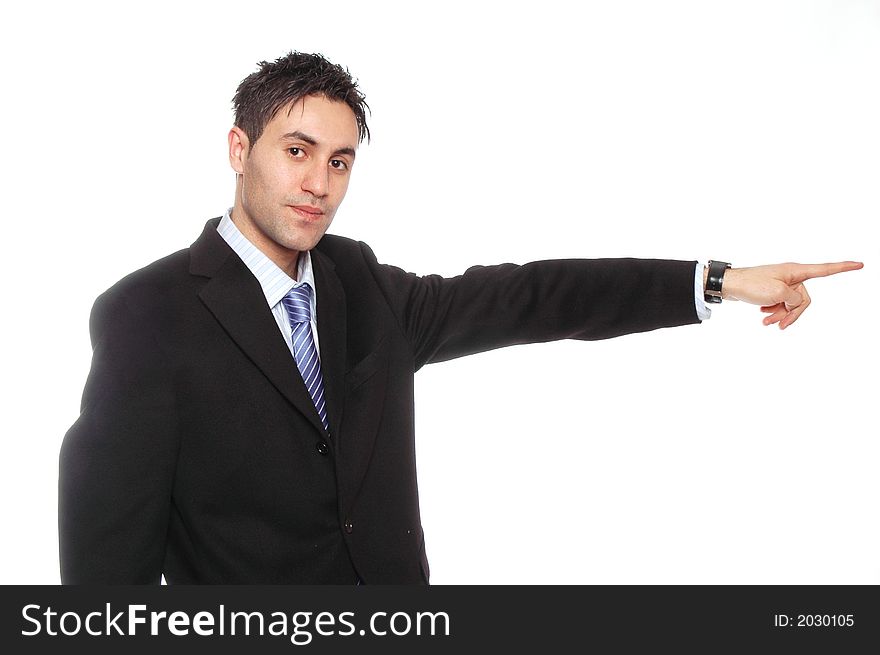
<point x="299" y="235"/>
<point x="302" y="243"/>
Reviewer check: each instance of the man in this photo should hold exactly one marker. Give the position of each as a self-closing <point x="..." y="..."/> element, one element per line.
<point x="248" y="417"/>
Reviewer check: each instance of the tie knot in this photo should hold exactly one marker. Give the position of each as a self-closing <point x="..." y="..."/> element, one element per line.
<point x="298" y="304"/>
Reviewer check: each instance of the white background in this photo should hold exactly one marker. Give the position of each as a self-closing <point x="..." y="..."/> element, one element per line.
<point x="745" y="131"/>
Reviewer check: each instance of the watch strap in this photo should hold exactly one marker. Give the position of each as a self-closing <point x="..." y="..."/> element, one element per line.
<point x="715" y="280"/>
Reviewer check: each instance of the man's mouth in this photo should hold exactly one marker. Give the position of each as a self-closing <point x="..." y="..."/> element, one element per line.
<point x="308" y="211"/>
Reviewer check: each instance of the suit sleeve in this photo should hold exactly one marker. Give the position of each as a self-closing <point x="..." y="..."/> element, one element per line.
<point x="491" y="307"/>
<point x="117" y="461"/>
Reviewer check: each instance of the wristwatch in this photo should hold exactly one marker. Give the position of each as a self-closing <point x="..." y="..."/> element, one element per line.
<point x="714" y="280"/>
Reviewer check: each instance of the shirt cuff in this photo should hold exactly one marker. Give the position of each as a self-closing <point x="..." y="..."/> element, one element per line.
<point x="703" y="311"/>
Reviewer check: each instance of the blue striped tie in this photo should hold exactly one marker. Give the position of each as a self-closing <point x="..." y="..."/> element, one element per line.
<point x="299" y="312"/>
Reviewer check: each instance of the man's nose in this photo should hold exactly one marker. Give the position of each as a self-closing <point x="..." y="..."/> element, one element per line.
<point x="316" y="180"/>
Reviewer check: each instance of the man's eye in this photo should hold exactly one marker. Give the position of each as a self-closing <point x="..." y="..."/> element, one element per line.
<point x="295" y="152"/>
<point x="338" y="164"/>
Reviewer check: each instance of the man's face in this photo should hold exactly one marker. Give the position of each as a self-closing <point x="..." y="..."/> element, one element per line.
<point x="294" y="177"/>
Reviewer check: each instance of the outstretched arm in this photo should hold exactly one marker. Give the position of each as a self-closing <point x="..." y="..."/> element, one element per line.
<point x="778" y="288"/>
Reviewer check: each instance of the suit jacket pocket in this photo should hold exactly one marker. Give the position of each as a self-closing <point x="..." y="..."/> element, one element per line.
<point x="366" y="368"/>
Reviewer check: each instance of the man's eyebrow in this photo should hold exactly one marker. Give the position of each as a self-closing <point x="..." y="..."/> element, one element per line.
<point x="346" y="151"/>
<point x="302" y="136"/>
<point x="312" y="141"/>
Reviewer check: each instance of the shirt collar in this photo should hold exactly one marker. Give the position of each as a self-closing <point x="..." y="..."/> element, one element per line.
<point x="275" y="283"/>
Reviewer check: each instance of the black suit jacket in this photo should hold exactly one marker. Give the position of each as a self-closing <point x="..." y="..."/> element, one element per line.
<point x="198" y="452"/>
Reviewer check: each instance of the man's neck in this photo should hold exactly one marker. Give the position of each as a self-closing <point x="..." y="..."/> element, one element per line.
<point x="286" y="260"/>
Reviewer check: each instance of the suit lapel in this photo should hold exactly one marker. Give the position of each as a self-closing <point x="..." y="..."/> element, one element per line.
<point x="331" y="335"/>
<point x="236" y="300"/>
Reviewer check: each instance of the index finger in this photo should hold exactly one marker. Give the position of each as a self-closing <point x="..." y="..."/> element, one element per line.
<point x="809" y="271"/>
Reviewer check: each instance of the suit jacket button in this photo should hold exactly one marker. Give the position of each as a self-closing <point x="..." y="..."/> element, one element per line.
<point x="348" y="526"/>
<point x="322" y="447"/>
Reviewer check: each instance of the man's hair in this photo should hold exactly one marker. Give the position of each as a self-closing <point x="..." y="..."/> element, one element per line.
<point x="281" y="83"/>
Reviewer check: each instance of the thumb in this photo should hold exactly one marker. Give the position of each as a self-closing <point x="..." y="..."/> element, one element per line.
<point x="792" y="299"/>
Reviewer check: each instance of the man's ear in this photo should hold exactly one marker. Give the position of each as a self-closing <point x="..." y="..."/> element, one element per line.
<point x="238" y="149"/>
